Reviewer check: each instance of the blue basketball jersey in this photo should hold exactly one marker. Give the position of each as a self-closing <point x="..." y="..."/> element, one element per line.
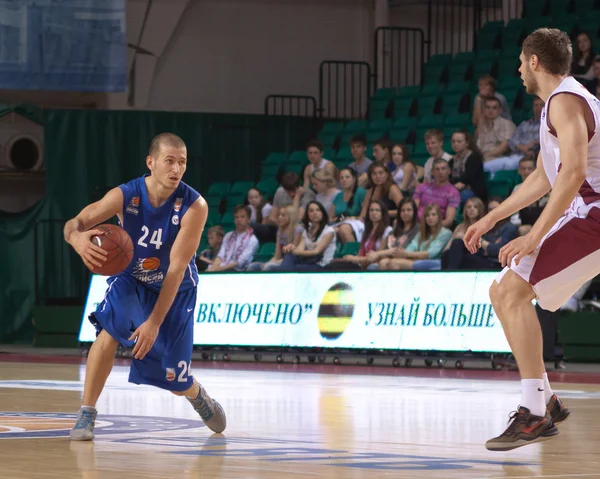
<point x="153" y="232"/>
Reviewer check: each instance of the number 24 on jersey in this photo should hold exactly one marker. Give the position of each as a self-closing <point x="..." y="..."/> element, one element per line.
<point x="155" y="239"/>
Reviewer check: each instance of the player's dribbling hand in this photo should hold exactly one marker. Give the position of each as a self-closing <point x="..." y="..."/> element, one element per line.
<point x="146" y="335"/>
<point x="472" y="238"/>
<point x="517" y="248"/>
<point x="92" y="255"/>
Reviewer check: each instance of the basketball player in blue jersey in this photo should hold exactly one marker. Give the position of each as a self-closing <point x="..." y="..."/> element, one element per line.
<point x="562" y="250"/>
<point x="150" y="305"/>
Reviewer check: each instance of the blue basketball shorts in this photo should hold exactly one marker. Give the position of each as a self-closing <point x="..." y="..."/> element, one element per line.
<point x="126" y="305"/>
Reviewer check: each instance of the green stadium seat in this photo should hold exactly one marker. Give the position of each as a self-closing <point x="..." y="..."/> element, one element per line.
<point x="378" y="107"/>
<point x="328" y="139"/>
<point x="486" y="54"/>
<point x="457" y="87"/>
<point x="399" y="135"/>
<point x="408" y="92"/>
<point x="294" y="168"/>
<point x="457" y="120"/>
<point x="241" y="187"/>
<point x="377" y="114"/>
<point x="584" y="6"/>
<point x="219" y="188"/>
<point x="269" y="170"/>
<point x="345" y="153"/>
<point x="430" y="121"/>
<point x="434" y="73"/>
<point x="265" y="253"/>
<point x="267" y="187"/>
<point x="513" y="33"/>
<point x="405" y="122"/>
<point x="459" y="72"/>
<point x="559" y="8"/>
<point x="440" y="59"/>
<point x="349" y="248"/>
<point x="483" y="67"/>
<point x="298" y="156"/>
<point x="213" y="217"/>
<point x="427" y="105"/>
<point x="487" y="40"/>
<point x="452" y="103"/>
<point x="213" y="201"/>
<point x="235" y="199"/>
<point x="509" y="83"/>
<point x="533" y="23"/>
<point x="508" y="67"/>
<point x="374" y="135"/>
<point x="535" y="8"/>
<point x="403" y="106"/>
<point x="275" y="158"/>
<point x="328" y="153"/>
<point x="333" y="126"/>
<point x="356" y="126"/>
<point x="342" y="163"/>
<point x="431" y="89"/>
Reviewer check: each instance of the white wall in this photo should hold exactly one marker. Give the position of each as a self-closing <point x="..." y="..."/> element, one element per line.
<point x="228" y="55"/>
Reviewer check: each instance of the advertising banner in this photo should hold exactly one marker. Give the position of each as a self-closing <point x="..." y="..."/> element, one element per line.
<point x="397" y="311"/>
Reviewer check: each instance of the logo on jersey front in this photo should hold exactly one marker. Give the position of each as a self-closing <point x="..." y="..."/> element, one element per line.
<point x="175" y="220"/>
<point x="177" y="206"/>
<point x="170" y="374"/>
<point x="133" y="205"/>
<point x="145" y="270"/>
<point x="29" y="425"/>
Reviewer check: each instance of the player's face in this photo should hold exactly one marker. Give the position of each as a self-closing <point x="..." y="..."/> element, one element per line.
<point x="241" y="220"/>
<point x="397" y="155"/>
<point x="357" y="150"/>
<point x="314" y="155"/>
<point x="375" y="213"/>
<point x="527" y="76"/>
<point x="459" y="142"/>
<point x="169" y="166"/>
<point x="432" y="218"/>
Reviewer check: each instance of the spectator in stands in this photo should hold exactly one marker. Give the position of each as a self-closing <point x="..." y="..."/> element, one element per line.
<point x="260" y="208"/>
<point x="377" y="229"/>
<point x="406" y="228"/>
<point x="494" y="132"/>
<point x="324" y="185"/>
<point x="288" y="237"/>
<point x="317" y="244"/>
<point x="424" y="251"/>
<point x="314" y="152"/>
<point x="207" y="256"/>
<point x="466" y="167"/>
<point x="487" y="89"/>
<point x="289" y="193"/>
<point x="239" y="246"/>
<point x="348" y="202"/>
<point x="457" y="257"/>
<point x="434" y="142"/>
<point x="381" y="156"/>
<point x="594" y="84"/>
<point x="524" y="142"/>
<point x="473" y="211"/>
<point x="358" y="148"/>
<point x="527" y="217"/>
<point x="383" y="189"/>
<point x="583" y="58"/>
<point x="404" y="171"/>
<point x="441" y="192"/>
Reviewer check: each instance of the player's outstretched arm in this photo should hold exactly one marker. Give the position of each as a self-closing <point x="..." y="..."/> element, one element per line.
<point x="77" y="230"/>
<point x="182" y="252"/>
<point x="533" y="188"/>
<point x="568" y="117"/>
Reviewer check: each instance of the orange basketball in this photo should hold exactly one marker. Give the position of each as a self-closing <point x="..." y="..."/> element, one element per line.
<point x="117" y="243"/>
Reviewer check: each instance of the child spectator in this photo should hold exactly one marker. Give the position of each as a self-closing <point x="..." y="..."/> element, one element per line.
<point x="239" y="246"/>
<point x="260" y="209"/>
<point x="487" y="89"/>
<point x="466" y="167"/>
<point x="317" y="244"/>
<point x="424" y="251"/>
<point x="434" y="142"/>
<point x="207" y="256"/>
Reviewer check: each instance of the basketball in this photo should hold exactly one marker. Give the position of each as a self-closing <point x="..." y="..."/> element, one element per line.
<point x="119" y="247"/>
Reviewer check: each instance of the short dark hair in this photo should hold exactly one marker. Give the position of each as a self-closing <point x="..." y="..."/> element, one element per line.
<point x="358" y="139"/>
<point x="492" y="98"/>
<point x="167" y="139"/>
<point x="553" y="49"/>
<point x="526" y="158"/>
<point x="315" y="144"/>
<point x="290" y="181"/>
<point x="244" y="208"/>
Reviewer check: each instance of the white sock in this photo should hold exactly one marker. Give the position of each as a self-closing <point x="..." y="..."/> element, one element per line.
<point x="87" y="407"/>
<point x="547" y="389"/>
<point x="532" y="396"/>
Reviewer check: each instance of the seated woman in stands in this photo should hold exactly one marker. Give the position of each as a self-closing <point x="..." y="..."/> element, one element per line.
<point x="473" y="211"/>
<point x="348" y="202"/>
<point x="317" y="243"/>
<point x="289" y="232"/>
<point x="382" y="188"/>
<point x="424" y="251"/>
<point x="406" y="228"/>
<point x="404" y="171"/>
<point x="377" y="229"/>
<point x="324" y="184"/>
<point x="260" y="209"/>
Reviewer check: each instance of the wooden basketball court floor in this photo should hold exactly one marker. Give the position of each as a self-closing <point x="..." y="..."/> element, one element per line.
<point x="289" y="421"/>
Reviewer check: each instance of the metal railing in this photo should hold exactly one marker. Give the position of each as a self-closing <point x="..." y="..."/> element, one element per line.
<point x="398" y="57"/>
<point x="344" y="89"/>
<point x="291" y="105"/>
